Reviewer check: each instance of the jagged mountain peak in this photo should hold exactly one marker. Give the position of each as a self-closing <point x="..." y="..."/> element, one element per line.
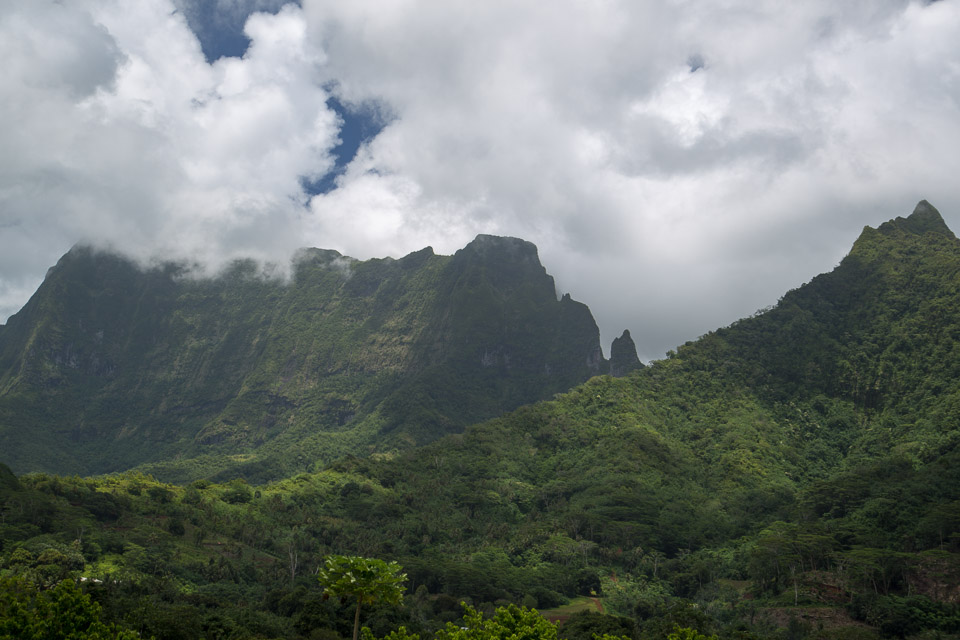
<point x="924" y="226"/>
<point x="317" y="255"/>
<point x="508" y="262"/>
<point x="623" y="355"/>
<point x="924" y="219"/>
<point x="502" y="245"/>
<point x="841" y="333"/>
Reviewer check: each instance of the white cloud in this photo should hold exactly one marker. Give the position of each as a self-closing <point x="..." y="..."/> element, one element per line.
<point x="117" y="131"/>
<point x="670" y="201"/>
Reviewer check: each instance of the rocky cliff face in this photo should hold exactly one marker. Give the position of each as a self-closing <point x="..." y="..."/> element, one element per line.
<point x="109" y="366"/>
<point x="623" y="356"/>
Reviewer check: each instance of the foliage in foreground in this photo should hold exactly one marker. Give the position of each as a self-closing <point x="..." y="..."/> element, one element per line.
<point x="60" y="613"/>
<point x="507" y="623"/>
<point x="516" y="623"/>
<point x="366" y="580"/>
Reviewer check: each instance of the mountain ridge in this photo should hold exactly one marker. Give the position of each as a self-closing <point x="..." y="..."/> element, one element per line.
<point x="349" y="355"/>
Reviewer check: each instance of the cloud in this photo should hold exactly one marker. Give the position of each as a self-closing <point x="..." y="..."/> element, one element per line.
<point x="118" y="132"/>
<point x="672" y="202"/>
<point x="679" y="164"/>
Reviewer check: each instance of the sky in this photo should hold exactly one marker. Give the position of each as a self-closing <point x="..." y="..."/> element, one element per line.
<point x="680" y="164"/>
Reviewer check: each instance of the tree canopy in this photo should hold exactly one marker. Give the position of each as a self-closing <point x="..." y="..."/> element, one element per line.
<point x="368" y="580"/>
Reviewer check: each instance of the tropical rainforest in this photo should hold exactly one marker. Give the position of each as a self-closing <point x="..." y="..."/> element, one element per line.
<point x="190" y="457"/>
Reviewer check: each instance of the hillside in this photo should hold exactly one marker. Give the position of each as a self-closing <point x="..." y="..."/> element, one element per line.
<point x="109" y="366"/>
<point x="795" y="475"/>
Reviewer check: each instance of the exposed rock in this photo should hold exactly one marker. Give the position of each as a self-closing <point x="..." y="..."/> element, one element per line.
<point x="623" y="356"/>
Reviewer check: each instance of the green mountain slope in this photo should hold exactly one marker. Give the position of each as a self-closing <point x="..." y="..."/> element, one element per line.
<point x="798" y="465"/>
<point x="815" y="437"/>
<point x="109" y="367"/>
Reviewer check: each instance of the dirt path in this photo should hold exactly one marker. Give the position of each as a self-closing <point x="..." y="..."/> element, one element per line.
<point x="596" y="602"/>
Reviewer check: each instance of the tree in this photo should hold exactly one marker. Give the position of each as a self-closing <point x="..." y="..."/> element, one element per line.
<point x="61" y="613"/>
<point x="508" y="623"/>
<point x="586" y="625"/>
<point x="686" y="633"/>
<point x="366" y="579"/>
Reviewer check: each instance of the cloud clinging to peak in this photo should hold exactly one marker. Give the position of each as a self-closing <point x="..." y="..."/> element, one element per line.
<point x="120" y="133"/>
<point x="672" y="197"/>
<point x="679" y="164"/>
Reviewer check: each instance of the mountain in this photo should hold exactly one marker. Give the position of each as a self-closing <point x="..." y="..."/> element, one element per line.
<point x="109" y="366"/>
<point x="808" y="455"/>
<point x="811" y="448"/>
<point x="796" y="474"/>
<point x="623" y="355"/>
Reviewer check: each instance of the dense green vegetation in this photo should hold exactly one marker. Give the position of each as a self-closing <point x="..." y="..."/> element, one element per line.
<point x="795" y="475"/>
<point x="62" y="612"/>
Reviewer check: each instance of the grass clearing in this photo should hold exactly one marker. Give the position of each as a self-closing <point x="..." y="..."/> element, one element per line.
<point x="578" y="604"/>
